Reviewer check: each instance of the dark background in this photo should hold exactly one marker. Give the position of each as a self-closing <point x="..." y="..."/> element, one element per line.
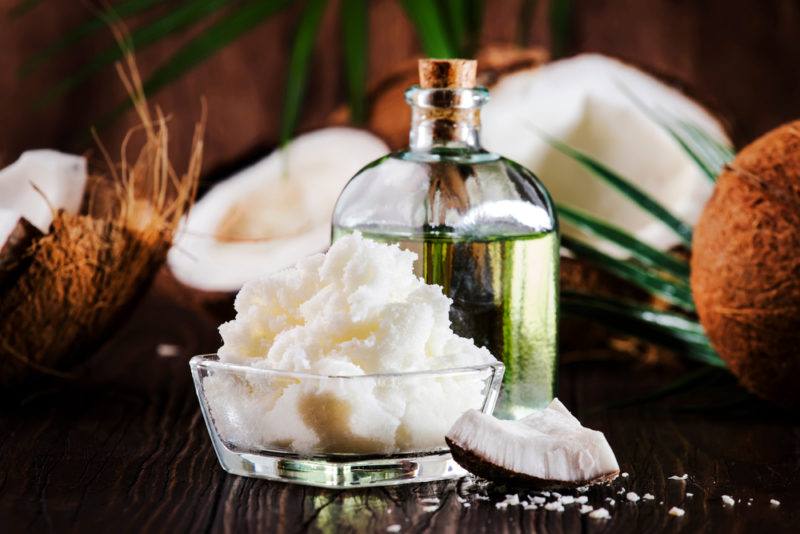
<point x="740" y="57"/>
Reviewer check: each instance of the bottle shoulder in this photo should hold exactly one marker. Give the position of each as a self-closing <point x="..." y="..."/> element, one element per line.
<point x="450" y="189"/>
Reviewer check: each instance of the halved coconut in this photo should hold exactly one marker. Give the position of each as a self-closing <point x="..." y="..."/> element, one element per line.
<point x="270" y="215"/>
<point x="32" y="190"/>
<point x="586" y="102"/>
<point x="547" y="449"/>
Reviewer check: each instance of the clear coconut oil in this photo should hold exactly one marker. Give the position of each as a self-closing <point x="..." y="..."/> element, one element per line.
<point x="483" y="228"/>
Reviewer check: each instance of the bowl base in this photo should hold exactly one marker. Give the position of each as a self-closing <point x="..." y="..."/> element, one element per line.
<point x="340" y="473"/>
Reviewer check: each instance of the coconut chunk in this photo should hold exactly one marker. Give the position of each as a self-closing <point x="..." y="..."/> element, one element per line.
<point x="547" y="449"/>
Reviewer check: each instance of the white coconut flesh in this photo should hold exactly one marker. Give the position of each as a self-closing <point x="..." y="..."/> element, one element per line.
<point x="547" y="449"/>
<point x="39" y="183"/>
<point x="586" y="102"/>
<point x="270" y="215"/>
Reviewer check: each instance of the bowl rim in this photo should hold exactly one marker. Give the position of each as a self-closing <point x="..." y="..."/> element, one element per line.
<point x="211" y="361"/>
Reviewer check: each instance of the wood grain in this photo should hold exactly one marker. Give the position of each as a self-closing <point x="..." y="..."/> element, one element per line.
<point x="125" y="449"/>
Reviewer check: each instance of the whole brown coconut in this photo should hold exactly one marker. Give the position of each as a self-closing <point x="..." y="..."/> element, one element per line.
<point x="746" y="266"/>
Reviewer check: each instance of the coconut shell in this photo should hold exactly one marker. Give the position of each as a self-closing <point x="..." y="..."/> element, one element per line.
<point x="81" y="277"/>
<point x="746" y="266"/>
<point x="389" y="114"/>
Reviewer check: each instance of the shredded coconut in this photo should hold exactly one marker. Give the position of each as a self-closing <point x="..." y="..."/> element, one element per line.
<point x="677" y="512"/>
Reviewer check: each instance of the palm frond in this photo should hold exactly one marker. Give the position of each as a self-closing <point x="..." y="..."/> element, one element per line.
<point x="429" y="24"/>
<point x="298" y="66"/>
<point x="671" y="330"/>
<point x="95" y="23"/>
<point x="560" y="26"/>
<point x="707" y="153"/>
<point x="355" y="31"/>
<point x="638" y="249"/>
<point x="673" y="291"/>
<point x="22" y="7"/>
<point x="174" y="21"/>
<point x="623" y="185"/>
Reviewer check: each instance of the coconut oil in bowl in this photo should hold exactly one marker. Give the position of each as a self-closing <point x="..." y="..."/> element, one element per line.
<point x="483" y="227"/>
<point x="338" y="431"/>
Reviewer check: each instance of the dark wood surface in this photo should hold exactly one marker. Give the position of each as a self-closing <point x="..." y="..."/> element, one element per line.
<point x="125" y="449"/>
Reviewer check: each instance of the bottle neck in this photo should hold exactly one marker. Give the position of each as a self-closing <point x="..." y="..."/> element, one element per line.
<point x="445" y="118"/>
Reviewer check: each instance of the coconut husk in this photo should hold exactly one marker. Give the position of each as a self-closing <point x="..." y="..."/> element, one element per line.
<point x="389" y="115"/>
<point x="90" y="268"/>
<point x="746" y="266"/>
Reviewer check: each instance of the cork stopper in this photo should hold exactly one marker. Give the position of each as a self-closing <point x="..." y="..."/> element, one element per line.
<point x="447" y="73"/>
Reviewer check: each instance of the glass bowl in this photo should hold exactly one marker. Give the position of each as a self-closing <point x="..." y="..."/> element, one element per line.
<point x="338" y="431"/>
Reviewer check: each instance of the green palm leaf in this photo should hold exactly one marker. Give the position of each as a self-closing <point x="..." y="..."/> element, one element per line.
<point x="638" y="249"/>
<point x="670" y="330"/>
<point x="429" y="23"/>
<point x="675" y="292"/>
<point x="176" y="20"/>
<point x="624" y="186"/>
<point x="23" y="7"/>
<point x="355" y="30"/>
<point x="709" y="155"/>
<point x="120" y="10"/>
<point x="298" y="66"/>
<point x="560" y="26"/>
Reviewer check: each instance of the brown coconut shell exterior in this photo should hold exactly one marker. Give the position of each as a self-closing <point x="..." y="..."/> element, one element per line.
<point x="478" y="465"/>
<point x="83" y="275"/>
<point x="746" y="266"/>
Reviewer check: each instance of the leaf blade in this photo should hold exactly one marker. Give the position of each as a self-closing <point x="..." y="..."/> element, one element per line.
<point x="298" y="66"/>
<point x="623" y="185"/>
<point x="181" y="18"/>
<point x="666" y="329"/>
<point x="98" y="22"/>
<point x="619" y="237"/>
<point x="355" y="30"/>
<point x="674" y="292"/>
<point x="431" y="31"/>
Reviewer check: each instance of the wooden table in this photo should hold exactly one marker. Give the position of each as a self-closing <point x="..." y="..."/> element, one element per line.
<point x="125" y="449"/>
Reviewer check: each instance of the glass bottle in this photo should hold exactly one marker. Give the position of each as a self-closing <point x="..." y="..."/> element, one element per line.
<point x="483" y="227"/>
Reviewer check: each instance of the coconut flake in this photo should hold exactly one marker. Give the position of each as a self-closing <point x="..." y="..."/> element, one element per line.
<point x="677" y="512"/>
<point x="566" y="499"/>
<point x="624" y="475"/>
<point x="774" y="502"/>
<point x="676" y="477"/>
<point x="393" y="528"/>
<point x="430" y="508"/>
<point x="554" y="506"/>
<point x="600" y="513"/>
<point x="583" y="499"/>
<point x="648" y="497"/>
<point x="728" y="500"/>
<point x="430" y="500"/>
<point x="585" y="508"/>
<point x="690" y="495"/>
<point x="631" y="496"/>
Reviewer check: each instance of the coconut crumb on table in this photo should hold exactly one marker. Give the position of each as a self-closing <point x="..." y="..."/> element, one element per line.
<point x="566" y="499"/>
<point x="690" y="495"/>
<point x="632" y="496"/>
<point x="676" y="477"/>
<point x="648" y="496"/>
<point x="393" y="528"/>
<point x="554" y="506"/>
<point x="585" y="508"/>
<point x="624" y="475"/>
<point x="677" y="512"/>
<point x="583" y="499"/>
<point x="728" y="500"/>
<point x="774" y="502"/>
<point x="600" y="513"/>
